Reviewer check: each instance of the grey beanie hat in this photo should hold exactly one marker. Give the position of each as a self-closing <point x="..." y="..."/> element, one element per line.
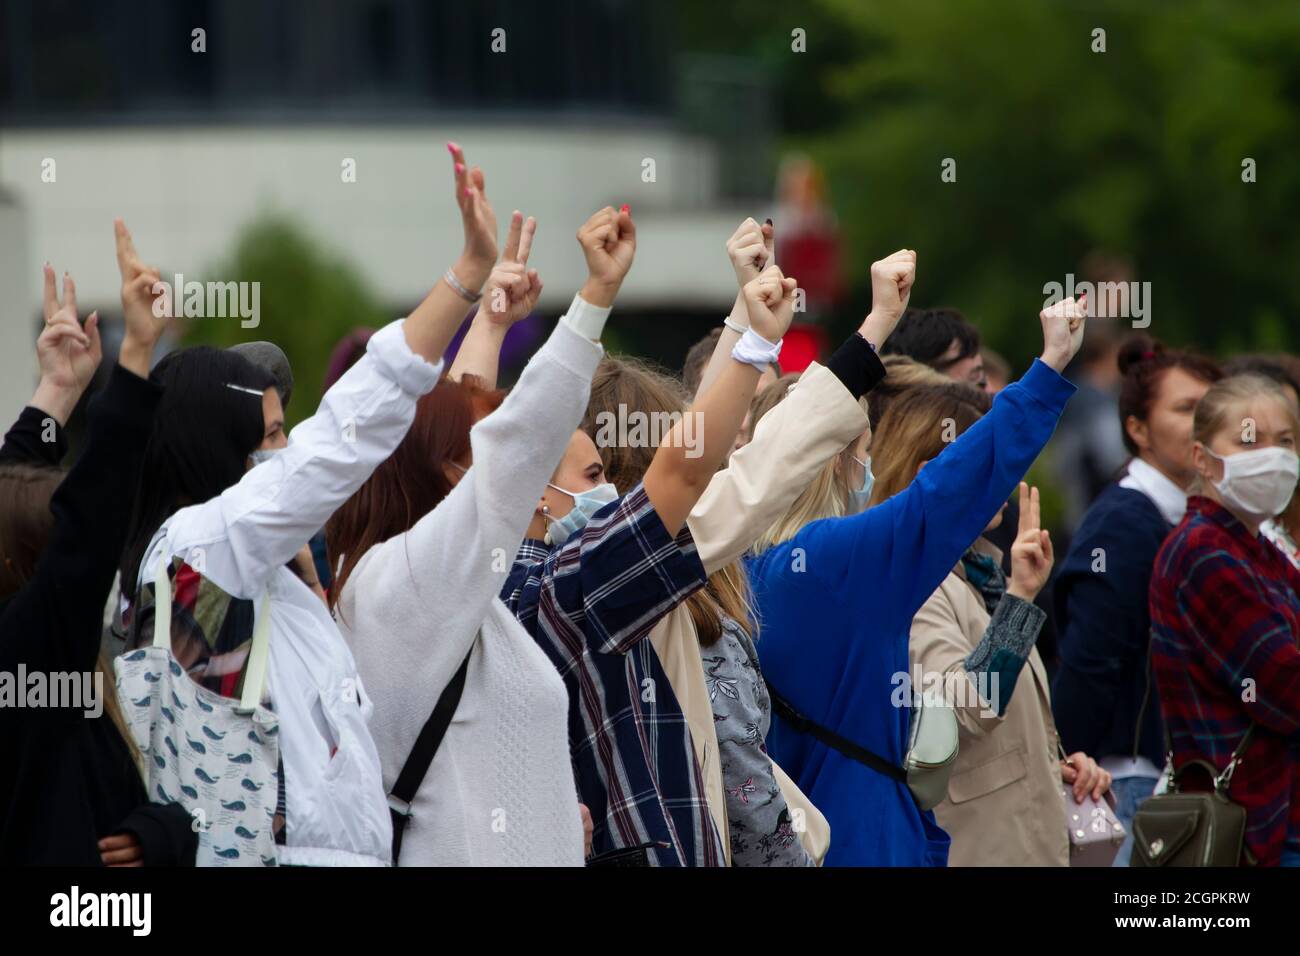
<point x="269" y="356"/>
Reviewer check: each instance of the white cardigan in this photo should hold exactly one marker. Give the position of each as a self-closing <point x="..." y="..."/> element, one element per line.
<point x="500" y="791"/>
<point x="336" y="813"/>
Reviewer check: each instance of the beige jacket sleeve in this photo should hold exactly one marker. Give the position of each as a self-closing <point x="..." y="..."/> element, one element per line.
<point x="944" y="632"/>
<point x="792" y="443"/>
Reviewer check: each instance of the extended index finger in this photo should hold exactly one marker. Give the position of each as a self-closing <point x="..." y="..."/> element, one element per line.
<point x="126" y="253"/>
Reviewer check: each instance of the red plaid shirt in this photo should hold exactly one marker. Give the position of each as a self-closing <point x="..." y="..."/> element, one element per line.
<point x="1225" y="615"/>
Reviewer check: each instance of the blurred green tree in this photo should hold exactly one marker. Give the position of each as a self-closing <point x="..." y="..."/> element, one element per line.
<point x="310" y="299"/>
<point x="1060" y="151"/>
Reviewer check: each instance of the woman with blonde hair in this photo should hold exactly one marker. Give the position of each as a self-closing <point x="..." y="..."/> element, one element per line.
<point x="974" y="637"/>
<point x="837" y="587"/>
<point x="1225" y="615"/>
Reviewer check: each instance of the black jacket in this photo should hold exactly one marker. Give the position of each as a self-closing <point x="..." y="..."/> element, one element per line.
<point x="67" y="779"/>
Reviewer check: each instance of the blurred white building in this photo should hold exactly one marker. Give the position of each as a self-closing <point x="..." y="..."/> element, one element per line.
<point x="288" y="97"/>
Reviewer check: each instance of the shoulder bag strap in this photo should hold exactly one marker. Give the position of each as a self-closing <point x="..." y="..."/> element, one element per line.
<point x="422" y="754"/>
<point x="258" y="652"/>
<point x="831" y="739"/>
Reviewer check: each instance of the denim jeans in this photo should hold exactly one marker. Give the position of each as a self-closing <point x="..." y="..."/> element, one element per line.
<point x="1129" y="794"/>
<point x="1290" y="858"/>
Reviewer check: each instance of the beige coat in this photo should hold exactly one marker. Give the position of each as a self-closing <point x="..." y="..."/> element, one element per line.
<point x="1004" y="804"/>
<point x="791" y="445"/>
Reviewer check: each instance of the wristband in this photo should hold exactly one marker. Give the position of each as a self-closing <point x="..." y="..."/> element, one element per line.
<point x="586" y="319"/>
<point x="450" y="278"/>
<point x="753" y="349"/>
<point x="735" y="326"/>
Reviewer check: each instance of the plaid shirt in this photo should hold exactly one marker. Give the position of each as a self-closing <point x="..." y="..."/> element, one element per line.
<point x="1225" y="610"/>
<point x="590" y="604"/>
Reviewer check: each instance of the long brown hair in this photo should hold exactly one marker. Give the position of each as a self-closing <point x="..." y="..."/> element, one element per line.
<point x="25" y="521"/>
<point x="917" y="427"/>
<point x="412" y="481"/>
<point x="622" y="386"/>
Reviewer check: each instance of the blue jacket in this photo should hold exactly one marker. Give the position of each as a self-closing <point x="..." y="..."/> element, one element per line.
<point x="836" y="604"/>
<point x="1104" y="628"/>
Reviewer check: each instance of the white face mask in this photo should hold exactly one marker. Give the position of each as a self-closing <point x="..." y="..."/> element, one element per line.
<point x="1258" y="483"/>
<point x="259" y="455"/>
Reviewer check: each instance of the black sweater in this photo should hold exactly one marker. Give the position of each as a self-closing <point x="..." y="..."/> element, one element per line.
<point x="67" y="779"/>
<point x="1105" y="629"/>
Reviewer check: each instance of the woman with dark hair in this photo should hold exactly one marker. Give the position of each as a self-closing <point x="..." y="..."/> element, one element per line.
<point x="72" y="791"/>
<point x="1100" y="693"/>
<point x="1225" y="615"/>
<point x="423" y="547"/>
<point x="226" y="503"/>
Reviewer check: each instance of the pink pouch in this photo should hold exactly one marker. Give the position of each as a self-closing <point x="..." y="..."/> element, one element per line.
<point x="1095" y="832"/>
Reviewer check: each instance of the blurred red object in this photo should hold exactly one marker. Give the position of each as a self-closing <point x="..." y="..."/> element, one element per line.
<point x="803" y="344"/>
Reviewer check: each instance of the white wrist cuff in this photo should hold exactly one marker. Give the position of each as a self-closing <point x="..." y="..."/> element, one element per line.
<point x="586" y="319"/>
<point x="753" y="349"/>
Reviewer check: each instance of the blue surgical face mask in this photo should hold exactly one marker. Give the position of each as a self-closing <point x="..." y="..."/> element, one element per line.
<point x="585" y="504"/>
<point x="862" y="496"/>
<point x="259" y="455"/>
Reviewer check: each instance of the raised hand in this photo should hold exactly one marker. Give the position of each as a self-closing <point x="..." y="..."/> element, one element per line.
<point x="891" y="284"/>
<point x="1031" y="552"/>
<point x="1063" y="325"/>
<point x="479" y="222"/>
<point x="769" y="297"/>
<point x="512" y="289"/>
<point x="68" y="354"/>
<point x="146" y="301"/>
<point x="608" y="241"/>
<point x="750" y="250"/>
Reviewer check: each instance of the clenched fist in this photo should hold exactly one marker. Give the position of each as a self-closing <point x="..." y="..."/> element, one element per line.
<point x="608" y="241"/>
<point x="1063" y="325"/>
<point x="750" y="249"/>
<point x="770" y="300"/>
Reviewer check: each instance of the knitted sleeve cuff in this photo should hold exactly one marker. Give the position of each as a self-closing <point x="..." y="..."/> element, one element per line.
<point x="1005" y="647"/>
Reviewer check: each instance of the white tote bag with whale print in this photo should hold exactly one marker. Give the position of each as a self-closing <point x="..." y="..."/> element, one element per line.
<point x="216" y="757"/>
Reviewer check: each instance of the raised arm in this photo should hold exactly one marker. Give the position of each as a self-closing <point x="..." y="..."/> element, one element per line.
<point x="92" y="505"/>
<point x="458" y="555"/>
<point x="910" y="542"/>
<point x="814" y="423"/>
<point x="751" y="249"/>
<point x="681" y="470"/>
<point x="939" y="643"/>
<point x="261" y="522"/>
<point x="433" y="324"/>
<point x="69" y="355"/>
<point x="509" y="297"/>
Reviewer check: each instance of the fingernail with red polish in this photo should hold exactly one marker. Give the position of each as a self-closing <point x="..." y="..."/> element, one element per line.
<point x="625" y="208"/>
<point x="452" y="147"/>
